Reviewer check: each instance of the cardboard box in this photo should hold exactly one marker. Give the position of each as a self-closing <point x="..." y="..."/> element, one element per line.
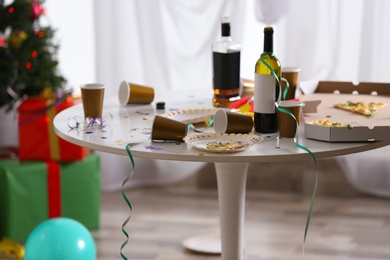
<point x="37" y="139"/>
<point x="360" y="127"/>
<point x="33" y="191"/>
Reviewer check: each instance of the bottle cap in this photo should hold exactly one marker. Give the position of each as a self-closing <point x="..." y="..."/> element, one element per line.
<point x="160" y="105"/>
<point x="225" y="19"/>
<point x="268" y="29"/>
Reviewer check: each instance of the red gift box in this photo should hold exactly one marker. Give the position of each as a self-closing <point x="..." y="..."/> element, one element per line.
<point x="37" y="139"/>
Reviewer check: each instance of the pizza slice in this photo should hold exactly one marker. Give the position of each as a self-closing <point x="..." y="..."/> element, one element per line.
<point x="361" y="107"/>
<point x="327" y="122"/>
<point x="221" y="146"/>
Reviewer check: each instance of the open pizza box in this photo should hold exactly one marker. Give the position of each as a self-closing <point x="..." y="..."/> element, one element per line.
<point x="320" y="97"/>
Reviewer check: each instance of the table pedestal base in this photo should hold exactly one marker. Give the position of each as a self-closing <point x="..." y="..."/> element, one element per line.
<point x="231" y="178"/>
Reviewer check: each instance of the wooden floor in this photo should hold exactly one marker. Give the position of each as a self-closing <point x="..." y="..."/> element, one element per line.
<point x="353" y="226"/>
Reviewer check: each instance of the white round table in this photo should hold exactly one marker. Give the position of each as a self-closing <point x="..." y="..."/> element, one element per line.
<point x="132" y="124"/>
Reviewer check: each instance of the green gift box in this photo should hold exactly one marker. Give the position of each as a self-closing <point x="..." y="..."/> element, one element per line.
<point x="34" y="191"/>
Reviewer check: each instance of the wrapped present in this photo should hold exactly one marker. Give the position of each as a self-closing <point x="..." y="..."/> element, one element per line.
<point x="33" y="191"/>
<point x="8" y="152"/>
<point x="37" y="139"/>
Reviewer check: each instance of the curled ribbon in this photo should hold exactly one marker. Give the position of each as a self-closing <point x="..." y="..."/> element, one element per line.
<point x="196" y="130"/>
<point x="127" y="202"/>
<point x="316" y="176"/>
<point x="94" y="122"/>
<point x="286" y="89"/>
<point x="297" y="144"/>
<point x="91" y="122"/>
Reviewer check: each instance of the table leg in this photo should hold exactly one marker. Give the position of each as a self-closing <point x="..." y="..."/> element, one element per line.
<point x="231" y="178"/>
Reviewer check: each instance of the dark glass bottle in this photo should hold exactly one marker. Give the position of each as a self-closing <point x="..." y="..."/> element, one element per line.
<point x="226" y="67"/>
<point x="266" y="87"/>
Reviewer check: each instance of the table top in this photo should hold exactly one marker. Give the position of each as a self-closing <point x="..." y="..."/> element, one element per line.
<point x="132" y="124"/>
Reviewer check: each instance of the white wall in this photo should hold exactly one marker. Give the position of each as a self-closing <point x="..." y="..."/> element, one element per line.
<point x="73" y="21"/>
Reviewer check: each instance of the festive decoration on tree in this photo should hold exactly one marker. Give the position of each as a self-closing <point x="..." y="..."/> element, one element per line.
<point x="28" y="62"/>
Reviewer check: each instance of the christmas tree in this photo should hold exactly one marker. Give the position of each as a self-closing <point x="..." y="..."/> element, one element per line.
<point x="28" y="62"/>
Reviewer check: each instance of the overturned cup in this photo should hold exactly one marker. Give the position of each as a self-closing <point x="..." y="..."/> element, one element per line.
<point x="166" y="129"/>
<point x="232" y="122"/>
<point x="130" y="93"/>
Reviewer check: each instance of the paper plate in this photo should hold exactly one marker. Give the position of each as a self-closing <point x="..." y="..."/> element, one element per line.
<point x="222" y="143"/>
<point x="190" y="116"/>
<point x="205" y="244"/>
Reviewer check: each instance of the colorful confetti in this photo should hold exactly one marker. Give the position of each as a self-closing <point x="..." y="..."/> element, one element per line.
<point x="155" y="148"/>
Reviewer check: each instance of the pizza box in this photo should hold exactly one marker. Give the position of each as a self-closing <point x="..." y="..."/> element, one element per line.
<point x="356" y="127"/>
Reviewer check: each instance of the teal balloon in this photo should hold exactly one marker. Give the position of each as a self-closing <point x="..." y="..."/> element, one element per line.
<point x="60" y="239"/>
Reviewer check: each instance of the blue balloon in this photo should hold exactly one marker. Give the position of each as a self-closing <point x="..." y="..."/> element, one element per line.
<point x="60" y="239"/>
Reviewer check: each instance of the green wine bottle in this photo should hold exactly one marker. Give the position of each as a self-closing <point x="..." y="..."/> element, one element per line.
<point x="267" y="80"/>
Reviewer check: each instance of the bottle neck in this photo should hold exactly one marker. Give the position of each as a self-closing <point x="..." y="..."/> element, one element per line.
<point x="226" y="38"/>
<point x="268" y="41"/>
<point x="225" y="29"/>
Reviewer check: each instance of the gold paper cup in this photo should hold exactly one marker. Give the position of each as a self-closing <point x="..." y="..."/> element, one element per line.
<point x="130" y="93"/>
<point x="291" y="75"/>
<point x="166" y="129"/>
<point x="287" y="124"/>
<point x="92" y="96"/>
<point x="232" y="122"/>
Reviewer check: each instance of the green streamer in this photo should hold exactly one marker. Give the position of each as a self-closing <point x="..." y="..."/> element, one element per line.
<point x="316" y="175"/>
<point x="276" y="77"/>
<point x="201" y="130"/>
<point x="286" y="89"/>
<point x="273" y="73"/>
<point x="127" y="202"/>
<point x="297" y="144"/>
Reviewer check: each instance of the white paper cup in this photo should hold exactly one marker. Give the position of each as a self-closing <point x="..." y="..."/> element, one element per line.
<point x="232" y="122"/>
<point x="166" y="129"/>
<point x="291" y="75"/>
<point x="130" y="93"/>
<point x="287" y="124"/>
<point x="92" y="96"/>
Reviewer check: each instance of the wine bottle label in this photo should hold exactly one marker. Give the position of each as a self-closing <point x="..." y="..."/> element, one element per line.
<point x="264" y="94"/>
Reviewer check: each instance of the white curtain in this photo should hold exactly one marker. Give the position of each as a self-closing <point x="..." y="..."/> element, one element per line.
<point x="343" y="40"/>
<point x="166" y="44"/>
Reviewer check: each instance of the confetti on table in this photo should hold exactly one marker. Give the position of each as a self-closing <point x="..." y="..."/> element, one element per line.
<point x="155" y="148"/>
